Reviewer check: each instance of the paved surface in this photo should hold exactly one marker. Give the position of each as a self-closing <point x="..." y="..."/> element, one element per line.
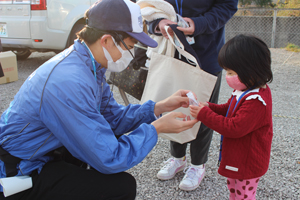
<point x="282" y="181"/>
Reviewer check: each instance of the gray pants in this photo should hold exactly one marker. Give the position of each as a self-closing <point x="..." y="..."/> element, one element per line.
<point x="200" y="146"/>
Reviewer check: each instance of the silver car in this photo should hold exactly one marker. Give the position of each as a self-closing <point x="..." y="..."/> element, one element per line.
<point x="40" y="25"/>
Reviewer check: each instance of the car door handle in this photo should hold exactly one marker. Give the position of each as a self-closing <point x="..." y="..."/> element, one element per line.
<point x="20" y="8"/>
<point x="8" y="8"/>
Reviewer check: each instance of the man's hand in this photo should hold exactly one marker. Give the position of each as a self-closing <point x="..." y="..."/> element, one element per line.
<point x="176" y="100"/>
<point x="161" y="26"/>
<point x="191" y="29"/>
<point x="169" y="123"/>
<point x="194" y="110"/>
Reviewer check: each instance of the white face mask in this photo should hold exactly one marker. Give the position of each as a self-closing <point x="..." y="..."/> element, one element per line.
<point x="120" y="64"/>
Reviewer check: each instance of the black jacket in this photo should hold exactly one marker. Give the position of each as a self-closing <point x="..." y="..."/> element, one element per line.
<point x="210" y="17"/>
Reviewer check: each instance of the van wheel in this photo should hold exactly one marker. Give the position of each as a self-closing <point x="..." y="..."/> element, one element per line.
<point x="77" y="27"/>
<point x="22" y="54"/>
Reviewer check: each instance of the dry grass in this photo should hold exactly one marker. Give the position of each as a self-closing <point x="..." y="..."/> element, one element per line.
<point x="292" y="47"/>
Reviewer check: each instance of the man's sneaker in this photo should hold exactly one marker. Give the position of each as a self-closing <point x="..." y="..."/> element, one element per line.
<point x="192" y="178"/>
<point x="172" y="166"/>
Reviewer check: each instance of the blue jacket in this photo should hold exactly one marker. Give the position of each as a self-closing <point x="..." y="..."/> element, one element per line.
<point x="210" y="17"/>
<point x="58" y="105"/>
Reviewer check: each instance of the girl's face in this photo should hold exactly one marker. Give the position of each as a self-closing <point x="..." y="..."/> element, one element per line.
<point x="234" y="81"/>
<point x="230" y="72"/>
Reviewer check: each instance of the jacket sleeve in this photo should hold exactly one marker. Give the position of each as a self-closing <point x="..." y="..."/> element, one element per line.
<point x="123" y="119"/>
<point x="152" y="26"/>
<point x="71" y="114"/>
<point x="247" y="118"/>
<point x="216" y="17"/>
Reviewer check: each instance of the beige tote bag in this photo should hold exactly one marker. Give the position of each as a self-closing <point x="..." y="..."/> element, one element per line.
<point x="166" y="75"/>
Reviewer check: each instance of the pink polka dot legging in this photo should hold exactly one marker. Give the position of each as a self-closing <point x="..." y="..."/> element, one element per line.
<point x="242" y="189"/>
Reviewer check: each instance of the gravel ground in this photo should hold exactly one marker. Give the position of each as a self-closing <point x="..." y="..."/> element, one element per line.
<point x="282" y="181"/>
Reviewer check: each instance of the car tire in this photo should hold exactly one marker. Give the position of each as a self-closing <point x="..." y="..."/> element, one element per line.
<point x="22" y="54"/>
<point x="77" y="27"/>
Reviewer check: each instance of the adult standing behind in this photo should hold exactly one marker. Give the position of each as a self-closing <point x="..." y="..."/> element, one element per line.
<point x="206" y="19"/>
<point x="67" y="103"/>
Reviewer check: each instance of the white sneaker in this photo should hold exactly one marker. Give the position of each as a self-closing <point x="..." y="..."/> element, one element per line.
<point x="172" y="166"/>
<point x="192" y="178"/>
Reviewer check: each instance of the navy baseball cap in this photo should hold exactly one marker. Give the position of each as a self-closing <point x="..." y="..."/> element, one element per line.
<point x="119" y="15"/>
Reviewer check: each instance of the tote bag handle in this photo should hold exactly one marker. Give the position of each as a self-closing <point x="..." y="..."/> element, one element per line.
<point x="180" y="49"/>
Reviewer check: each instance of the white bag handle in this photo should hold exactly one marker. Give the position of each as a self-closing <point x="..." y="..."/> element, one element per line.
<point x="170" y="48"/>
<point x="181" y="50"/>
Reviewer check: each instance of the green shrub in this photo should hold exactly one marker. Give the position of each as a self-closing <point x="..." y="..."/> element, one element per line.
<point x="292" y="47"/>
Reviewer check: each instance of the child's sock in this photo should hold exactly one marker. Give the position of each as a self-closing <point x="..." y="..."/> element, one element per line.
<point x="198" y="166"/>
<point x="181" y="159"/>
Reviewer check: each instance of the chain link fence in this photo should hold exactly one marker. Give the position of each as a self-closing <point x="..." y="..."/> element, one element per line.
<point x="276" y="27"/>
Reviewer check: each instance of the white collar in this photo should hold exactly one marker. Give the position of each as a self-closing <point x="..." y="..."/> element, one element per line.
<point x="238" y="93"/>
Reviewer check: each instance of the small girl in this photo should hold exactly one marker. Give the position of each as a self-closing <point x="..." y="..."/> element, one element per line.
<point x="245" y="121"/>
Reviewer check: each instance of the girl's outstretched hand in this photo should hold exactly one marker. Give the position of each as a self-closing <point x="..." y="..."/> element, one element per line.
<point x="194" y="110"/>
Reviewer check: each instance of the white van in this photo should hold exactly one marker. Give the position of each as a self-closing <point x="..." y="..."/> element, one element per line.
<point x="40" y="25"/>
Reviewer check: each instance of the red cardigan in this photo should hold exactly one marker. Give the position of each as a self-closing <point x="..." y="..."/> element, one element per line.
<point x="247" y="132"/>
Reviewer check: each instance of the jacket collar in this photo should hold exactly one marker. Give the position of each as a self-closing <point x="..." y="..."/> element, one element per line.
<point x="78" y="46"/>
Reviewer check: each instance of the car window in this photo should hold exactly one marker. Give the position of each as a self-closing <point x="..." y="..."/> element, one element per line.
<point x="5" y="2"/>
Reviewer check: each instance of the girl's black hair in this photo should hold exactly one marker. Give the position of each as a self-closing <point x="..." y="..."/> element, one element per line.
<point x="249" y="57"/>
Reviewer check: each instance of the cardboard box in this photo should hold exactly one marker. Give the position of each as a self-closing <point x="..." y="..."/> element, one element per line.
<point x="9" y="65"/>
